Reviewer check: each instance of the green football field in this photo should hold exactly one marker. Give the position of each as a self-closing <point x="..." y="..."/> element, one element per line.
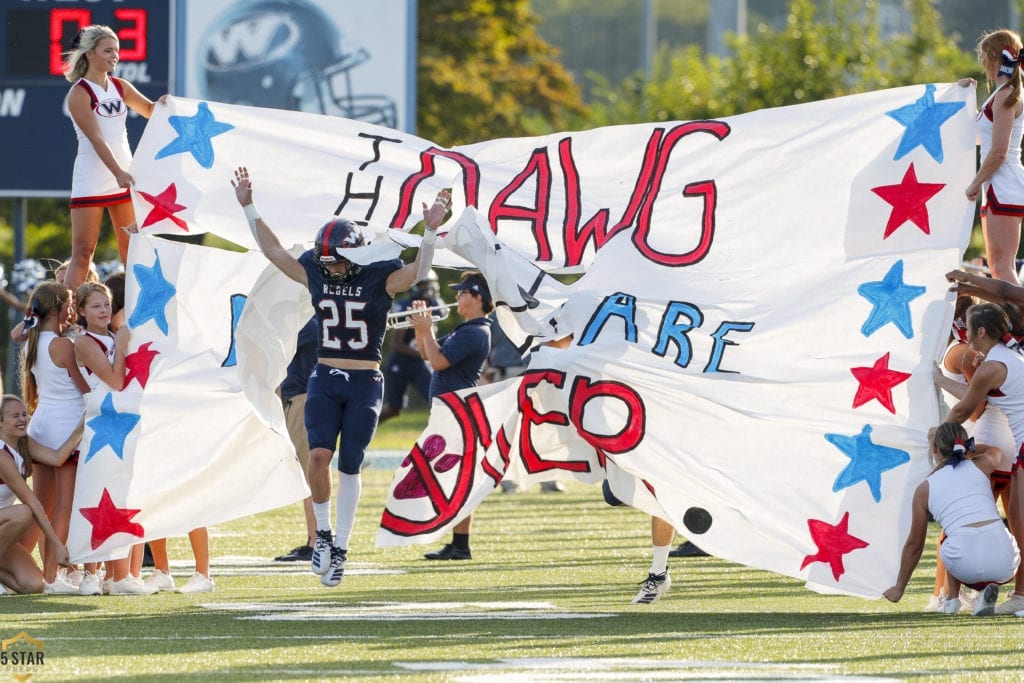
<point x="546" y="598"/>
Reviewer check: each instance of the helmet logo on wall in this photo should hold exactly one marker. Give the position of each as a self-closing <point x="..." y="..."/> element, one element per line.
<point x="286" y="54"/>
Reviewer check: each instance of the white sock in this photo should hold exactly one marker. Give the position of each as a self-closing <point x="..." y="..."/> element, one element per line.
<point x="322" y="512"/>
<point x="659" y="561"/>
<point x="350" y="486"/>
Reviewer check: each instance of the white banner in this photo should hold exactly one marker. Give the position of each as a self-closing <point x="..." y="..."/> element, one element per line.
<point x="181" y="446"/>
<point x="752" y="336"/>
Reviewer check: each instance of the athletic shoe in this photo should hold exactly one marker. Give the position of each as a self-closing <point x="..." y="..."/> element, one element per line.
<point x="336" y="569"/>
<point x="129" y="585"/>
<point x="935" y="603"/>
<point x="321" y="559"/>
<point x="968" y="598"/>
<point x="90" y="585"/>
<point x="951" y="606"/>
<point x="106" y="584"/>
<point x="450" y="552"/>
<point x="160" y="581"/>
<point x="1012" y="606"/>
<point x="687" y="549"/>
<point x="987" y="597"/>
<point x="197" y="584"/>
<point x="301" y="553"/>
<point x="652" y="588"/>
<point x="552" y="487"/>
<point x="60" y="586"/>
<point x="74" y="577"/>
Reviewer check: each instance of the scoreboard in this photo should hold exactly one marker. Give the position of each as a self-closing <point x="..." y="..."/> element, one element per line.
<point x="37" y="140"/>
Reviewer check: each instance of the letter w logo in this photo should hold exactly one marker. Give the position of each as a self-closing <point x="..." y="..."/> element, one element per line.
<point x="257" y="39"/>
<point x="110" y="108"/>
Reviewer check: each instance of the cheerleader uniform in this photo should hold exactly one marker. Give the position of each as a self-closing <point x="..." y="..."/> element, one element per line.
<point x="7" y="497"/>
<point x="1003" y="194"/>
<point x="61" y="404"/>
<point x="105" y="342"/>
<point x="92" y="183"/>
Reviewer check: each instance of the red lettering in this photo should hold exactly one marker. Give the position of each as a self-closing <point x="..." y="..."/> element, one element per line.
<point x="631" y="434"/>
<point x="470" y="182"/>
<point x="531" y="416"/>
<point x="475" y="432"/>
<point x="703" y="188"/>
<point x="537" y="215"/>
<point x="135" y="33"/>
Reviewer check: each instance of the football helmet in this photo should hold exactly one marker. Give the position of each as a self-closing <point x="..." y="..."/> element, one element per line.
<point x="425" y="289"/>
<point x="335" y="235"/>
<point x="285" y="54"/>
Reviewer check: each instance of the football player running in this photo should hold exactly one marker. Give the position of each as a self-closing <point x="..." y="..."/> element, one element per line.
<point x="345" y="391"/>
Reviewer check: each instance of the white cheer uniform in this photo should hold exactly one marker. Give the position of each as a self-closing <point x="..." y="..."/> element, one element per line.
<point x="61" y="404"/>
<point x="7" y="497"/>
<point x="1003" y="194"/>
<point x="92" y="183"/>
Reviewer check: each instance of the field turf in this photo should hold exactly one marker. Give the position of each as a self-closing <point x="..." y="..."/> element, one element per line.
<point x="546" y="598"/>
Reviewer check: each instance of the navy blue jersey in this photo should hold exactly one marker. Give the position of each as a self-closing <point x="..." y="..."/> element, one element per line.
<point x="466" y="349"/>
<point x="352" y="316"/>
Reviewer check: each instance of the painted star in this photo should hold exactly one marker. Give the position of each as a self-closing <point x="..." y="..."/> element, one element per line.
<point x="890" y="299"/>
<point x="877" y="382"/>
<point x="155" y="292"/>
<point x="922" y="120"/>
<point x="165" y="205"/>
<point x="867" y="461"/>
<point x="110" y="428"/>
<point x="833" y="542"/>
<point x="139" y="364"/>
<point x="107" y="519"/>
<point x="194" y="135"/>
<point x="908" y="200"/>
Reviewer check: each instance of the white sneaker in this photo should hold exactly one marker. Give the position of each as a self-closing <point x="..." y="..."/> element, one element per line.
<point x="322" y="544"/>
<point x="968" y="598"/>
<point x="652" y="588"/>
<point x="197" y="584"/>
<point x="90" y="584"/>
<point x="107" y="583"/>
<point x="1012" y="606"/>
<point x="935" y="603"/>
<point x="951" y="606"/>
<point x="74" y="577"/>
<point x="160" y="581"/>
<point x="986" y="605"/>
<point x="129" y="585"/>
<point x="60" y="586"/>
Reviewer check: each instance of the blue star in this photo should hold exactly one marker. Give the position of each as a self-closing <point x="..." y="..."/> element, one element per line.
<point x="891" y="300"/>
<point x="922" y="120"/>
<point x="867" y="461"/>
<point x="110" y="428"/>
<point x="194" y="133"/>
<point x="154" y="294"/>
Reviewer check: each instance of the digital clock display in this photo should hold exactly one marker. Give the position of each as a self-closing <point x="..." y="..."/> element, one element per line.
<point x="58" y="26"/>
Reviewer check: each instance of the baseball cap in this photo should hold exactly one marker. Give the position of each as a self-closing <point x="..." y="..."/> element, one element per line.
<point x="473" y="282"/>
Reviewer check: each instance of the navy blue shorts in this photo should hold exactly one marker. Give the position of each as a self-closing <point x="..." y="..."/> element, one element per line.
<point x="343" y="403"/>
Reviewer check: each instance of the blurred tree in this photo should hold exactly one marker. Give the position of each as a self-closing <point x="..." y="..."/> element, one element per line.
<point x="485" y="73"/>
<point x="825" y="50"/>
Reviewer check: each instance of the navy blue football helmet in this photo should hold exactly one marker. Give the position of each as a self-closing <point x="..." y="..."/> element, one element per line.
<point x="285" y="54"/>
<point x="331" y="239"/>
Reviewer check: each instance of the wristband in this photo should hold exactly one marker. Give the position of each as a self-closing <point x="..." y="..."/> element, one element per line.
<point x="251" y="214"/>
<point x="429" y="236"/>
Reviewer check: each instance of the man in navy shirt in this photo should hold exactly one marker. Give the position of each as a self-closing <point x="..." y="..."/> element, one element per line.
<point x="457" y="360"/>
<point x="344" y="394"/>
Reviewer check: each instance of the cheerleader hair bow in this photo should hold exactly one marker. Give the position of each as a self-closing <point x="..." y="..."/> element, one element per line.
<point x="1010" y="63"/>
<point x="1011" y="341"/>
<point x="31" y="317"/>
<point x="960" y="450"/>
<point x="960" y="330"/>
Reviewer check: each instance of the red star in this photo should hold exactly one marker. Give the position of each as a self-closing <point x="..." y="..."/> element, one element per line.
<point x="908" y="202"/>
<point x="138" y="365"/>
<point x="165" y="205"/>
<point x="107" y="519"/>
<point x="833" y="542"/>
<point x="877" y="382"/>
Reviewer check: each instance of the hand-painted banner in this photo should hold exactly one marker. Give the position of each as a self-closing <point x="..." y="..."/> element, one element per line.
<point x="181" y="446"/>
<point x="751" y="338"/>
